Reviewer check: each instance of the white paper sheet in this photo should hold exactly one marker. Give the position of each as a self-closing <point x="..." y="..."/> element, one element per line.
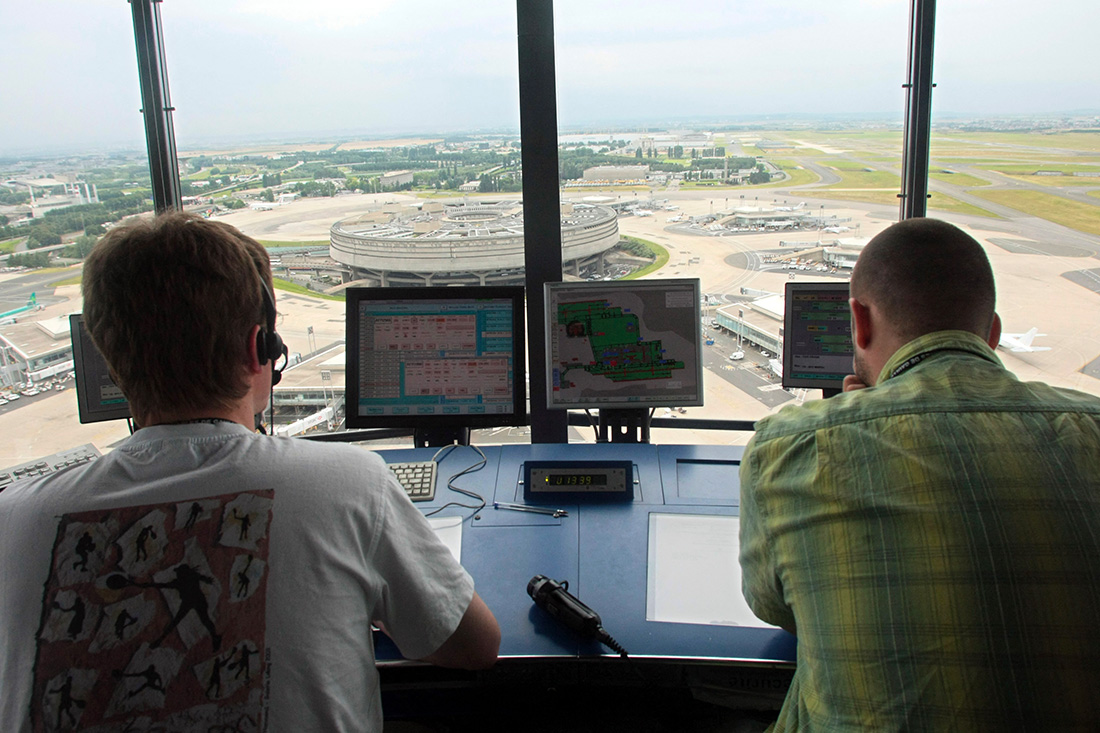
<point x="449" y="530"/>
<point x="693" y="576"/>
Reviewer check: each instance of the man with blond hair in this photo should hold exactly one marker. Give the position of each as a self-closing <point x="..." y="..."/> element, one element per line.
<point x="931" y="535"/>
<point x="202" y="575"/>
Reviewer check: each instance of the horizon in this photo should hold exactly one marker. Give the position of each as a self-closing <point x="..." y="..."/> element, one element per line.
<point x="757" y="123"/>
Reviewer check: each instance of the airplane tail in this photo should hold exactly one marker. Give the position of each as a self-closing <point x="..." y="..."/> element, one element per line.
<point x="1027" y="338"/>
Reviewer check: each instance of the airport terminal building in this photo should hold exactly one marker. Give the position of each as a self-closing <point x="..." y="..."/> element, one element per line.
<point x="477" y="243"/>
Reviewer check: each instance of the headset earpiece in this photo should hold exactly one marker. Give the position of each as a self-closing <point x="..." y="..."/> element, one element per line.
<point x="269" y="344"/>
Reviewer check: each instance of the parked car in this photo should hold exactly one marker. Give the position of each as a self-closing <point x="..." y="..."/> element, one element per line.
<point x="737" y="355"/>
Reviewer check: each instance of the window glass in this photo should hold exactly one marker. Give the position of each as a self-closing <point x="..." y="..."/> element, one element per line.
<point x="72" y="159"/>
<point x="1015" y="160"/>
<point x="375" y="124"/>
<point x="746" y="145"/>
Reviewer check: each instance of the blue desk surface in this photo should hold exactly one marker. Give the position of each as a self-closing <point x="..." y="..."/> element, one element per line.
<point x="601" y="549"/>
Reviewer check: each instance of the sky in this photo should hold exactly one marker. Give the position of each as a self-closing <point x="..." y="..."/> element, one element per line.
<point x="255" y="70"/>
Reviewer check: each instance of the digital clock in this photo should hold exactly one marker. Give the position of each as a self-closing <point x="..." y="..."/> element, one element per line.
<point x="578" y="481"/>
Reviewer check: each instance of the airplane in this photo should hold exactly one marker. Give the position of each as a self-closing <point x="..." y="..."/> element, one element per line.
<point x="262" y="206"/>
<point x="837" y="230"/>
<point x="791" y="208"/>
<point x="1021" y="341"/>
<point x="642" y="212"/>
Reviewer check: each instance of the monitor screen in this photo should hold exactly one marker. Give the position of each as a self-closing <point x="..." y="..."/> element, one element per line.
<point x="624" y="344"/>
<point x="436" y="357"/>
<point x="817" y="335"/>
<point x="98" y="398"/>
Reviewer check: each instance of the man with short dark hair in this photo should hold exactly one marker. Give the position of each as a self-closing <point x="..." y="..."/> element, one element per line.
<point x="931" y="535"/>
<point x="201" y="575"/>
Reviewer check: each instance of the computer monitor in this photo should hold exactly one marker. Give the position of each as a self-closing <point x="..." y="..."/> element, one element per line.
<point x="624" y="344"/>
<point x="817" y="336"/>
<point x="440" y="360"/>
<point x="98" y="398"/>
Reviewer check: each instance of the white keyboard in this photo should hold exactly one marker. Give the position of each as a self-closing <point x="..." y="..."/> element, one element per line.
<point x="48" y="464"/>
<point x="417" y="478"/>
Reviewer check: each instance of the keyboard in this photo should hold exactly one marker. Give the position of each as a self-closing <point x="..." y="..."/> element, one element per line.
<point x="417" y="478"/>
<point x="48" y="464"/>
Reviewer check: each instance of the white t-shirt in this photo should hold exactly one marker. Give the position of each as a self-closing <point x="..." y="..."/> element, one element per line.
<point x="203" y="575"/>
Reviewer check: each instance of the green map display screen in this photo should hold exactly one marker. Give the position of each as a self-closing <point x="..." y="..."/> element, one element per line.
<point x="624" y="344"/>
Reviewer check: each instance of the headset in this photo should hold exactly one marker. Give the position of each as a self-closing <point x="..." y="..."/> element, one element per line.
<point x="269" y="344"/>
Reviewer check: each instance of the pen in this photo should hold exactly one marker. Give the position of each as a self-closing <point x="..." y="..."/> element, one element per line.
<point x="557" y="513"/>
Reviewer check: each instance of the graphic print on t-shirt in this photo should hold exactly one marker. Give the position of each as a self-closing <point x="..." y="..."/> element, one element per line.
<point x="154" y="617"/>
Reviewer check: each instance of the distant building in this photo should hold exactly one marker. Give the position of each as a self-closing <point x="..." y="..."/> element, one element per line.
<point x="476" y="243"/>
<point x="393" y="179"/>
<point x="31" y="351"/>
<point x="615" y="173"/>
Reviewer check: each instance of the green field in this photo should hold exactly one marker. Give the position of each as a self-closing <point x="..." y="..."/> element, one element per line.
<point x="659" y="252"/>
<point x="1073" y="214"/>
<point x="959" y="179"/>
<point x="296" y="289"/>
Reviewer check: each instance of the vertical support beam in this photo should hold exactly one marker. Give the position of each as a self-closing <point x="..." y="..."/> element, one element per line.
<point x="538" y="121"/>
<point x="918" y="110"/>
<point x="157" y="109"/>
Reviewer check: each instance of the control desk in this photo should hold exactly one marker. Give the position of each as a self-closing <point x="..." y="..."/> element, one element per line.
<point x="660" y="567"/>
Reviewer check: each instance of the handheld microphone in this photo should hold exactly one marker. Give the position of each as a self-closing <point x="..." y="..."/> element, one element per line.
<point x="555" y="598"/>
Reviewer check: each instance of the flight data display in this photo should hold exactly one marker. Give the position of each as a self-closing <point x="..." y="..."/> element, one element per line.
<point x="419" y="358"/>
<point x="817" y="335"/>
<point x="624" y="344"/>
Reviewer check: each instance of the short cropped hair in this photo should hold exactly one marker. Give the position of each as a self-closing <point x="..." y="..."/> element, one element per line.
<point x="926" y="275"/>
<point x="169" y="302"/>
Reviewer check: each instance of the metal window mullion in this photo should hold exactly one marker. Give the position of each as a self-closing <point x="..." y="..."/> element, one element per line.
<point x="156" y="108"/>
<point x="541" y="202"/>
<point x="918" y="110"/>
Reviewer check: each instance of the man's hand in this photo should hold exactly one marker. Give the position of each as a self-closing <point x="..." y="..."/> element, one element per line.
<point x="852" y="383"/>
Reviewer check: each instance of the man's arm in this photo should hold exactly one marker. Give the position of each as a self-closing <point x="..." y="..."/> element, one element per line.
<point x="474" y="644"/>
<point x="760" y="584"/>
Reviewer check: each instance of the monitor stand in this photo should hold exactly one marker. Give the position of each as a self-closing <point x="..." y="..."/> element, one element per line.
<point x="439" y="437"/>
<point x="827" y="392"/>
<point x="627" y="425"/>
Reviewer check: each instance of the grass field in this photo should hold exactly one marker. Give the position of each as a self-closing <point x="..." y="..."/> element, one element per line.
<point x="1080" y="141"/>
<point x="959" y="179"/>
<point x="656" y="250"/>
<point x="1073" y="214"/>
<point x="289" y="287"/>
<point x="798" y="175"/>
<point x="857" y="177"/>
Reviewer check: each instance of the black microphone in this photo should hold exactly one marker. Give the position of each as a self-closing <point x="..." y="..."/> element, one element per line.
<point x="555" y="598"/>
<point x="277" y="371"/>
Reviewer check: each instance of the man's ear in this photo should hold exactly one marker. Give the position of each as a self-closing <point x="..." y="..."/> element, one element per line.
<point x="994" y="332"/>
<point x="862" y="331"/>
<point x="252" y="346"/>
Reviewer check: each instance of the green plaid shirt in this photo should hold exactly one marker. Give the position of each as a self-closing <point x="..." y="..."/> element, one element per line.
<point x="934" y="541"/>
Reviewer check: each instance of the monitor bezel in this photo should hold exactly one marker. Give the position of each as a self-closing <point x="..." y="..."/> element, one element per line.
<point x="788" y="316"/>
<point x="514" y="293"/>
<point x="82" y="360"/>
<point x="602" y="286"/>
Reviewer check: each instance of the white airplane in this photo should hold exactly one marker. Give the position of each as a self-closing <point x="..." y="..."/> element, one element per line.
<point x="837" y="230"/>
<point x="791" y="208"/>
<point x="642" y="212"/>
<point x="1021" y="341"/>
<point x="262" y="206"/>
